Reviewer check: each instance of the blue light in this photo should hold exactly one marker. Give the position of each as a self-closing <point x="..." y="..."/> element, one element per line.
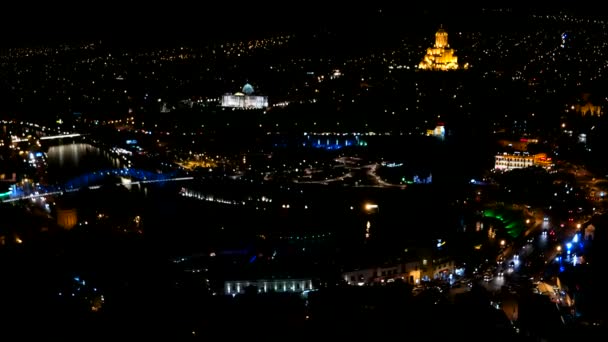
<point x="569" y="245"/>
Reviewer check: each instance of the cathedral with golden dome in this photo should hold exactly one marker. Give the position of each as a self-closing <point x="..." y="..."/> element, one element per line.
<point x="440" y="56"/>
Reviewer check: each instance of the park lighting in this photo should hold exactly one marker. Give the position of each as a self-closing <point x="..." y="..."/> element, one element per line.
<point x="528" y="221"/>
<point x="502" y="243"/>
<point x="559" y="248"/>
<point x="578" y="226"/>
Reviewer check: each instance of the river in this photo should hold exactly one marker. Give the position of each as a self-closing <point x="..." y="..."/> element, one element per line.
<point x="196" y="224"/>
<point x="68" y="161"/>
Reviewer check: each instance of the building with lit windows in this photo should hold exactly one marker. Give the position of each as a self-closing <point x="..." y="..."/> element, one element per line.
<point x="518" y="160"/>
<point x="245" y="99"/>
<point x="412" y="272"/>
<point x="234" y="287"/>
<point x="440" y="56"/>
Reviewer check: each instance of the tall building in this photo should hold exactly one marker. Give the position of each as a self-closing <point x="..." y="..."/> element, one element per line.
<point x="440" y="56"/>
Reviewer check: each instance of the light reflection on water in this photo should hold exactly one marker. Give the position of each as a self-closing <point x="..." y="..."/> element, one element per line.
<point x="72" y="160"/>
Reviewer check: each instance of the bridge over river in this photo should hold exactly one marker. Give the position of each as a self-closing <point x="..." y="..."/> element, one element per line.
<point x="92" y="180"/>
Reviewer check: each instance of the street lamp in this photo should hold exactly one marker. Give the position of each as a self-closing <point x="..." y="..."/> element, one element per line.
<point x="370" y="206"/>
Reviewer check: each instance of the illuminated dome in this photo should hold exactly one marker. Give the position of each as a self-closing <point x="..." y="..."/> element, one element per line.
<point x="248" y="89"/>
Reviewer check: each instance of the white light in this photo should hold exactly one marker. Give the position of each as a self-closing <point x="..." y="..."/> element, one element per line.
<point x="370" y="206"/>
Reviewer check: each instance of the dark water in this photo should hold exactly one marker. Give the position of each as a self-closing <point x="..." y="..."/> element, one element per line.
<point x="319" y="219"/>
<point x="335" y="213"/>
<point x="69" y="161"/>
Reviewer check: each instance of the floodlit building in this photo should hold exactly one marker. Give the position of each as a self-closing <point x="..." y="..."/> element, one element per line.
<point x="234" y="287"/>
<point x="518" y="160"/>
<point x="245" y="99"/>
<point x="585" y="107"/>
<point x="440" y="56"/>
<point x="67" y="218"/>
<point x="438" y="131"/>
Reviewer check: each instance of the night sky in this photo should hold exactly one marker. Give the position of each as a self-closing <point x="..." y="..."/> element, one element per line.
<point x="26" y="23"/>
<point x="167" y="20"/>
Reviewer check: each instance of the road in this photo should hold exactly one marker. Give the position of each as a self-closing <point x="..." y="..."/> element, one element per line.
<point x="542" y="250"/>
<point x="595" y="187"/>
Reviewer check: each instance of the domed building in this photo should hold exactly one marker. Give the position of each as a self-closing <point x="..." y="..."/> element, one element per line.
<point x="245" y="99"/>
<point x="248" y="89"/>
<point x="440" y="56"/>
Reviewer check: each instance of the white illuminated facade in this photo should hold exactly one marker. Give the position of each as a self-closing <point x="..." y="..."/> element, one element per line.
<point x="245" y="99"/>
<point x="234" y="287"/>
<point x="518" y="160"/>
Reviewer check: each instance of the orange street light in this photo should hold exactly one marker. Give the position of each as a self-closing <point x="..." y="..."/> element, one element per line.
<point x="370" y="206"/>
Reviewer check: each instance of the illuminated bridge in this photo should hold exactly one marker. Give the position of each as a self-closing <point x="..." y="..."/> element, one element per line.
<point x="49" y="137"/>
<point x="143" y="176"/>
<point x="92" y="181"/>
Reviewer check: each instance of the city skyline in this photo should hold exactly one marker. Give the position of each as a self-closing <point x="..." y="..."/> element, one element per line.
<point x="326" y="169"/>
